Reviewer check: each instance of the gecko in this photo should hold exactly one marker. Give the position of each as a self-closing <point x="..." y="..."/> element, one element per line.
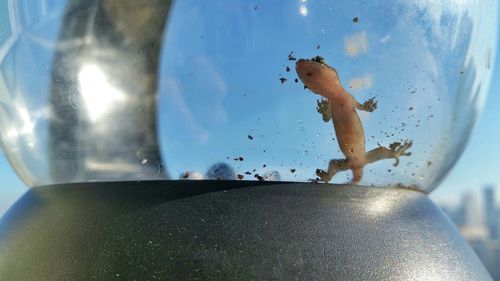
<point x="338" y="105"/>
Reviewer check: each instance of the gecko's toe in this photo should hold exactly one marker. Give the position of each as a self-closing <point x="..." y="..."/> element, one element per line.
<point x="370" y="105"/>
<point x="394" y="146"/>
<point x="320" y="173"/>
<point x="408" y="144"/>
<point x="323" y="175"/>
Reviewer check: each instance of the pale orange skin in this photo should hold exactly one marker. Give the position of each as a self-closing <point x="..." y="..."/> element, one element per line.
<point x="341" y="107"/>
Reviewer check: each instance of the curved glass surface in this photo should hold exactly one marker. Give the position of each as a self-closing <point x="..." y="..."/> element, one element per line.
<point x="113" y="90"/>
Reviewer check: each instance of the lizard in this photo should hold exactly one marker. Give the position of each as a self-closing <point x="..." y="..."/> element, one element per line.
<point x="338" y="105"/>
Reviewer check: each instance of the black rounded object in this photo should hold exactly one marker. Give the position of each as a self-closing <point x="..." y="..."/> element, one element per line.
<point x="230" y="230"/>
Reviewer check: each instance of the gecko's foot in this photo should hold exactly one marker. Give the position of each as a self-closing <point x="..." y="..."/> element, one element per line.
<point x="370" y="105"/>
<point x="323" y="107"/>
<point x="399" y="149"/>
<point x="323" y="176"/>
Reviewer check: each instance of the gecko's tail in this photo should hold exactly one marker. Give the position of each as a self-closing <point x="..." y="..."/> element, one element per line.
<point x="357" y="175"/>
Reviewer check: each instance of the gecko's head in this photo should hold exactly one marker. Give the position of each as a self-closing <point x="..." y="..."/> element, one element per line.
<point x="317" y="76"/>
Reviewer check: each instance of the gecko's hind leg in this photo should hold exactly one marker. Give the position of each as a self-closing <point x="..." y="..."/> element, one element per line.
<point x="395" y="150"/>
<point x="323" y="107"/>
<point x="334" y="166"/>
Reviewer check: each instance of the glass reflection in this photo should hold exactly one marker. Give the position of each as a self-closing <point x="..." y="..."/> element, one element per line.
<point x="83" y="98"/>
<point x="98" y="95"/>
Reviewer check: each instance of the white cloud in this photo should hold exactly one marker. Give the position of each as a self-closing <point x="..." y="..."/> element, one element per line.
<point x="356" y="44"/>
<point x="362" y="82"/>
<point x="385" y="39"/>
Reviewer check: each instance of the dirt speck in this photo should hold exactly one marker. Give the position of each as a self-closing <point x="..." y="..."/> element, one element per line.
<point x="259" y="177"/>
<point x="250" y="137"/>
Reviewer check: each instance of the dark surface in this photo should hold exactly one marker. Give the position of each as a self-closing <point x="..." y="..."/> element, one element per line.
<point x="212" y="230"/>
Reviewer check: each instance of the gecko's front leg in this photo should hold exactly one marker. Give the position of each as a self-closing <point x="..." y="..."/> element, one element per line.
<point x="369" y="105"/>
<point x="323" y="107"/>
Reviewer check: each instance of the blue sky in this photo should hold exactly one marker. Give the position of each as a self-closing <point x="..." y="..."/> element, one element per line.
<point x="218" y="93"/>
